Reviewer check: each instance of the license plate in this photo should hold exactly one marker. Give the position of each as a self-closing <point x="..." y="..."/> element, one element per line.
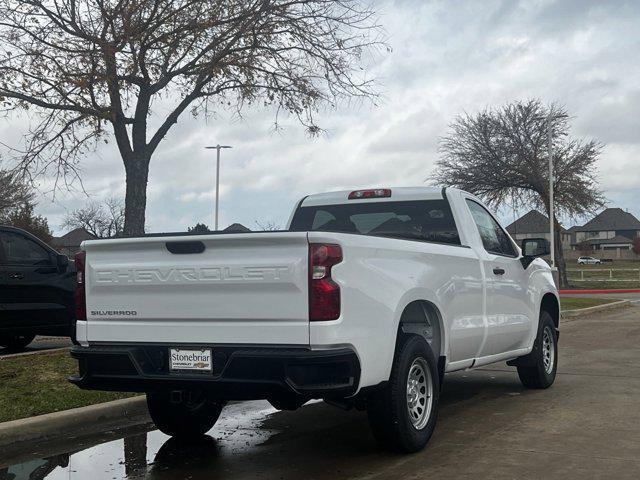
<point x="199" y="360"/>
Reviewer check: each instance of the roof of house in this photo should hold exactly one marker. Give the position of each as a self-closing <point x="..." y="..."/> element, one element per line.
<point x="73" y="238"/>
<point x="618" y="239"/>
<point x="531" y="222"/>
<point x="236" y="227"/>
<point x="611" y="219"/>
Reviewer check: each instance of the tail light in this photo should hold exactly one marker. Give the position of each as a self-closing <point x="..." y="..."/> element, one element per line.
<point x="374" y="193"/>
<point x="324" y="293"/>
<point x="80" y="297"/>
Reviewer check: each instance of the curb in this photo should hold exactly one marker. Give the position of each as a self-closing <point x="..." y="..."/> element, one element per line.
<point x="598" y="308"/>
<point x="76" y="422"/>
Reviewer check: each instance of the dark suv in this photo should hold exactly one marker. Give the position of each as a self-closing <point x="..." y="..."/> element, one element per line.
<point x="36" y="290"/>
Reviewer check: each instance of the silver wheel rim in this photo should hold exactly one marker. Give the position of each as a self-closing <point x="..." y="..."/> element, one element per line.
<point x="548" y="350"/>
<point x="419" y="393"/>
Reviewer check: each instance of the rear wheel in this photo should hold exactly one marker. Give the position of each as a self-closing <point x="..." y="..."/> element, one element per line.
<point x="403" y="414"/>
<point x="16" y="343"/>
<point x="542" y="372"/>
<point x="183" y="414"/>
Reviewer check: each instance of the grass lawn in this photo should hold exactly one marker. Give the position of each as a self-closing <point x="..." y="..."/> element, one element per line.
<point x="36" y="384"/>
<point x="571" y="303"/>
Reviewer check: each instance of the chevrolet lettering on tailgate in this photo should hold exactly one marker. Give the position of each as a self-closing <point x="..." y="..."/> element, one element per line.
<point x="190" y="274"/>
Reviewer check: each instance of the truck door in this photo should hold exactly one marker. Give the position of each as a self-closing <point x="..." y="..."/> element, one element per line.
<point x="508" y="315"/>
<point x="30" y="297"/>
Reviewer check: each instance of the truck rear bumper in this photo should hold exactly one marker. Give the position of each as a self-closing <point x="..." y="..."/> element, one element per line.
<point x="239" y="372"/>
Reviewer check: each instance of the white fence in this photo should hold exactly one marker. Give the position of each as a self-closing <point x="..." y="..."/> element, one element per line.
<point x="611" y="275"/>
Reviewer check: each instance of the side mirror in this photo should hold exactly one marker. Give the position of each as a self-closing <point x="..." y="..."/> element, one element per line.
<point x="533" y="248"/>
<point x="62" y="261"/>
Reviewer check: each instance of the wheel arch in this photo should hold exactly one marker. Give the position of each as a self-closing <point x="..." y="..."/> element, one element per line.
<point x="551" y="305"/>
<point x="423" y="318"/>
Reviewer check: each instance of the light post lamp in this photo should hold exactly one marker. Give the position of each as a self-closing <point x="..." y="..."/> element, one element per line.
<point x="218" y="148"/>
<point x="550" y="118"/>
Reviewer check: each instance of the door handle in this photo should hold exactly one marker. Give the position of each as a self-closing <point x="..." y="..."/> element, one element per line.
<point x="498" y="271"/>
<point x="16" y="276"/>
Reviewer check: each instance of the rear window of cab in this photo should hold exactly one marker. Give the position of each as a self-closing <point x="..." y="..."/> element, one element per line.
<point x="425" y="220"/>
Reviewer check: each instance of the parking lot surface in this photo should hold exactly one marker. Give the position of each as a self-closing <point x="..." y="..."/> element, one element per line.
<point x="586" y="426"/>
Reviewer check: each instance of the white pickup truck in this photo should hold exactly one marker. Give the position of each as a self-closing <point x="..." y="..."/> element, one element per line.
<point x="366" y="301"/>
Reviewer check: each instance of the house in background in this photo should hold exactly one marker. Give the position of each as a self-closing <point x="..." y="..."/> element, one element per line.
<point x="612" y="230"/>
<point x="69" y="243"/>
<point x="535" y="225"/>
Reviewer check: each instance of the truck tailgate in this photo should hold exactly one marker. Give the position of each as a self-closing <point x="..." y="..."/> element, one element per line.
<point x="242" y="288"/>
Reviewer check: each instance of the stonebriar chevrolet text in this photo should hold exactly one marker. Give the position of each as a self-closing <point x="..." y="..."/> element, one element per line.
<point x="366" y="301"/>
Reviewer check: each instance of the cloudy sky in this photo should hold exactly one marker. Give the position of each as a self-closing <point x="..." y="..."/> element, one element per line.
<point x="448" y="57"/>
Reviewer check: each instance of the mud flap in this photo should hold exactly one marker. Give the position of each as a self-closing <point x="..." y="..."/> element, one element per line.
<point x="441" y="366"/>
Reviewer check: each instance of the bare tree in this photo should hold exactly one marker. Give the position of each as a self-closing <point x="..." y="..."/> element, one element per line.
<point x="84" y="67"/>
<point x="13" y="192"/>
<point x="24" y="217"/>
<point x="17" y="204"/>
<point x="501" y="156"/>
<point x="267" y="226"/>
<point x="101" y="220"/>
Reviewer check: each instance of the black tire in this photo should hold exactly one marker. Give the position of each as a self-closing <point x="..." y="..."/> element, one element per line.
<point x="186" y="418"/>
<point x="544" y="362"/>
<point x="388" y="409"/>
<point x="16" y="343"/>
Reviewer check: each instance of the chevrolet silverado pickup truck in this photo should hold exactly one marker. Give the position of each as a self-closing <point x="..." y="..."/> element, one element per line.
<point x="365" y="301"/>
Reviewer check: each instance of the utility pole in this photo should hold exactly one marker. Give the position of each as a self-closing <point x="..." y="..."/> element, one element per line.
<point x="218" y="148"/>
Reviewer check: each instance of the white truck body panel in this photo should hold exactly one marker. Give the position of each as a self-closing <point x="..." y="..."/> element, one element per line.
<point x="253" y="289"/>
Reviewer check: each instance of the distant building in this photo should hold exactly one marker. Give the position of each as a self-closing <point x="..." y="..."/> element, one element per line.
<point x="236" y="228"/>
<point x="535" y="225"/>
<point x="69" y="243"/>
<point x="613" y="230"/>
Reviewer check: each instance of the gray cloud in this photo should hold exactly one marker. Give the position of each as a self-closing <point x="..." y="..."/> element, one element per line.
<point x="448" y="58"/>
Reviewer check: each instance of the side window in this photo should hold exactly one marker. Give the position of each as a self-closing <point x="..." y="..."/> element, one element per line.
<point x="19" y="250"/>
<point x="493" y="237"/>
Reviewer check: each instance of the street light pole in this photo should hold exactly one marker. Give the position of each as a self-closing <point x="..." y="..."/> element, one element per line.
<point x="550" y="118"/>
<point x="551" y="225"/>
<point x="217" y="148"/>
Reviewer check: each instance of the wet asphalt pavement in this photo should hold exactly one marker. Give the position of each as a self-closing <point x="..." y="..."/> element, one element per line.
<point x="586" y="426"/>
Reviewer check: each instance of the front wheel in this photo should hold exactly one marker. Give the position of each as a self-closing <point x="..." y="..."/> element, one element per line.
<point x="183" y="414"/>
<point x="16" y="343"/>
<point x="403" y="414"/>
<point x="542" y="372"/>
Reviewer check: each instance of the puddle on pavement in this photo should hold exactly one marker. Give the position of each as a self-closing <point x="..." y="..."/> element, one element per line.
<point x="152" y="454"/>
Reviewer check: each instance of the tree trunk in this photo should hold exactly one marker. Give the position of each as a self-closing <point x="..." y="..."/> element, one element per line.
<point x="560" y="262"/>
<point x="135" y="201"/>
